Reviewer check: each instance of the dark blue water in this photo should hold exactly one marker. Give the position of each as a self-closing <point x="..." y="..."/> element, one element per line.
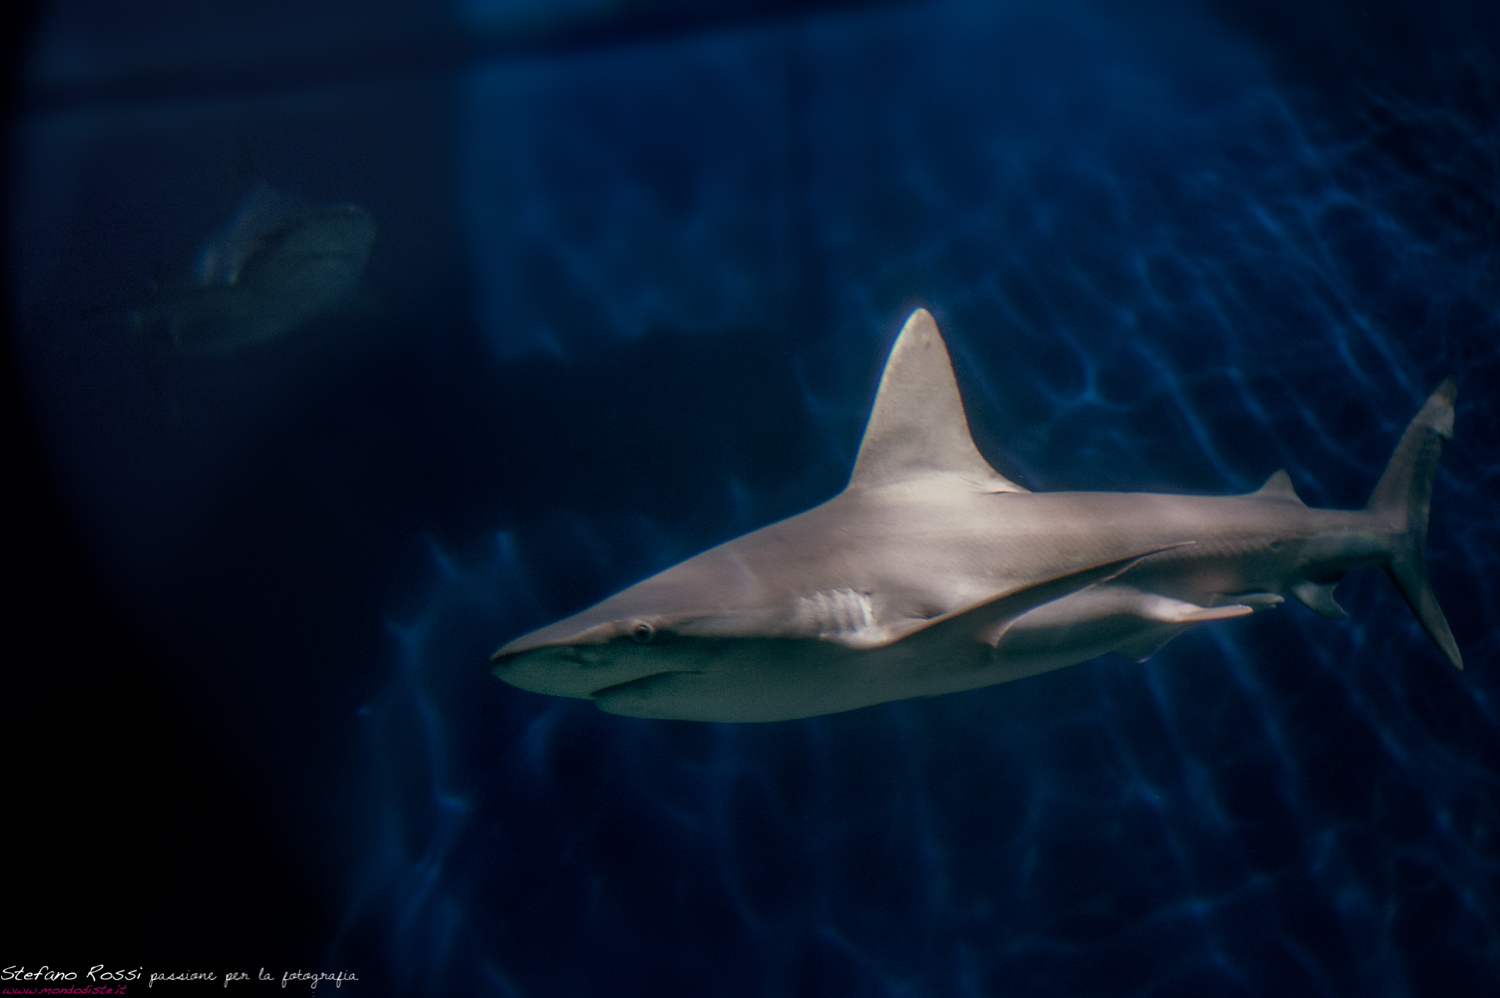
<point x="634" y="281"/>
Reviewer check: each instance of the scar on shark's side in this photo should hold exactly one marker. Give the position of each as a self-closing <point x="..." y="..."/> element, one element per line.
<point x="932" y="573"/>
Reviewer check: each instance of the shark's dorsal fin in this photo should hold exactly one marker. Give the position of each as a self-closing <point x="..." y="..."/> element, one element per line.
<point x="917" y="428"/>
<point x="1279" y="486"/>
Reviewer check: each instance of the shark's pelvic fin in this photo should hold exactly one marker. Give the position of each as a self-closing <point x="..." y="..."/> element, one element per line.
<point x="1165" y="610"/>
<point x="1141" y="648"/>
<point x="1255" y="601"/>
<point x="1279" y="486"/>
<point x="1181" y="616"/>
<point x="1403" y="496"/>
<point x="917" y="428"/>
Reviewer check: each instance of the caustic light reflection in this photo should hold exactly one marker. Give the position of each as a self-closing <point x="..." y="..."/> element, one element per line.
<point x="931" y="573"/>
<point x="1173" y="288"/>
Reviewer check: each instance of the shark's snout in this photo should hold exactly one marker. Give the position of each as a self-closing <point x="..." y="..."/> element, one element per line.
<point x="558" y="670"/>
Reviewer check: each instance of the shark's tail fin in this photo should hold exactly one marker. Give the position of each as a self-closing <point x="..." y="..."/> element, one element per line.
<point x="1403" y="496"/>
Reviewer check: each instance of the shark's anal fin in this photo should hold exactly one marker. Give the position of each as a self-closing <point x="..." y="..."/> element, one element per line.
<point x="1318" y="597"/>
<point x="917" y="428"/>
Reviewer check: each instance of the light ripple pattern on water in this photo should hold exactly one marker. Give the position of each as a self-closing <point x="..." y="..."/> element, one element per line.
<point x="1152" y="275"/>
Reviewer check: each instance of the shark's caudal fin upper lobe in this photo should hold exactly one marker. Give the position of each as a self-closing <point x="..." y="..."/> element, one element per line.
<point x="1403" y="495"/>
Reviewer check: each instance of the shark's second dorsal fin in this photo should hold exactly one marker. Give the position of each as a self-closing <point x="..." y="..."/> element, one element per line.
<point x="1279" y="486"/>
<point x="917" y="428"/>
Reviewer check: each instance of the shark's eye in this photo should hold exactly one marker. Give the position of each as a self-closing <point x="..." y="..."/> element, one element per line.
<point x="642" y="632"/>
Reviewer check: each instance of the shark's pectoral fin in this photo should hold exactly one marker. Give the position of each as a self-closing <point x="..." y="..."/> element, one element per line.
<point x="987" y="622"/>
<point x="1318" y="597"/>
<point x="1141" y="648"/>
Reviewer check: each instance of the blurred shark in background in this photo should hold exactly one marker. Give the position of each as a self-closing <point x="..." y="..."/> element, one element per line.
<point x="932" y="573"/>
<point x="277" y="264"/>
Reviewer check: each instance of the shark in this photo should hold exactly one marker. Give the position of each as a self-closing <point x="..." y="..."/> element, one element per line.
<point x="276" y="264"/>
<point x="931" y="573"/>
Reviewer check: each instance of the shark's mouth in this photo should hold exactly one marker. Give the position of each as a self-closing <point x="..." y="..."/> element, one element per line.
<point x="641" y="684"/>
